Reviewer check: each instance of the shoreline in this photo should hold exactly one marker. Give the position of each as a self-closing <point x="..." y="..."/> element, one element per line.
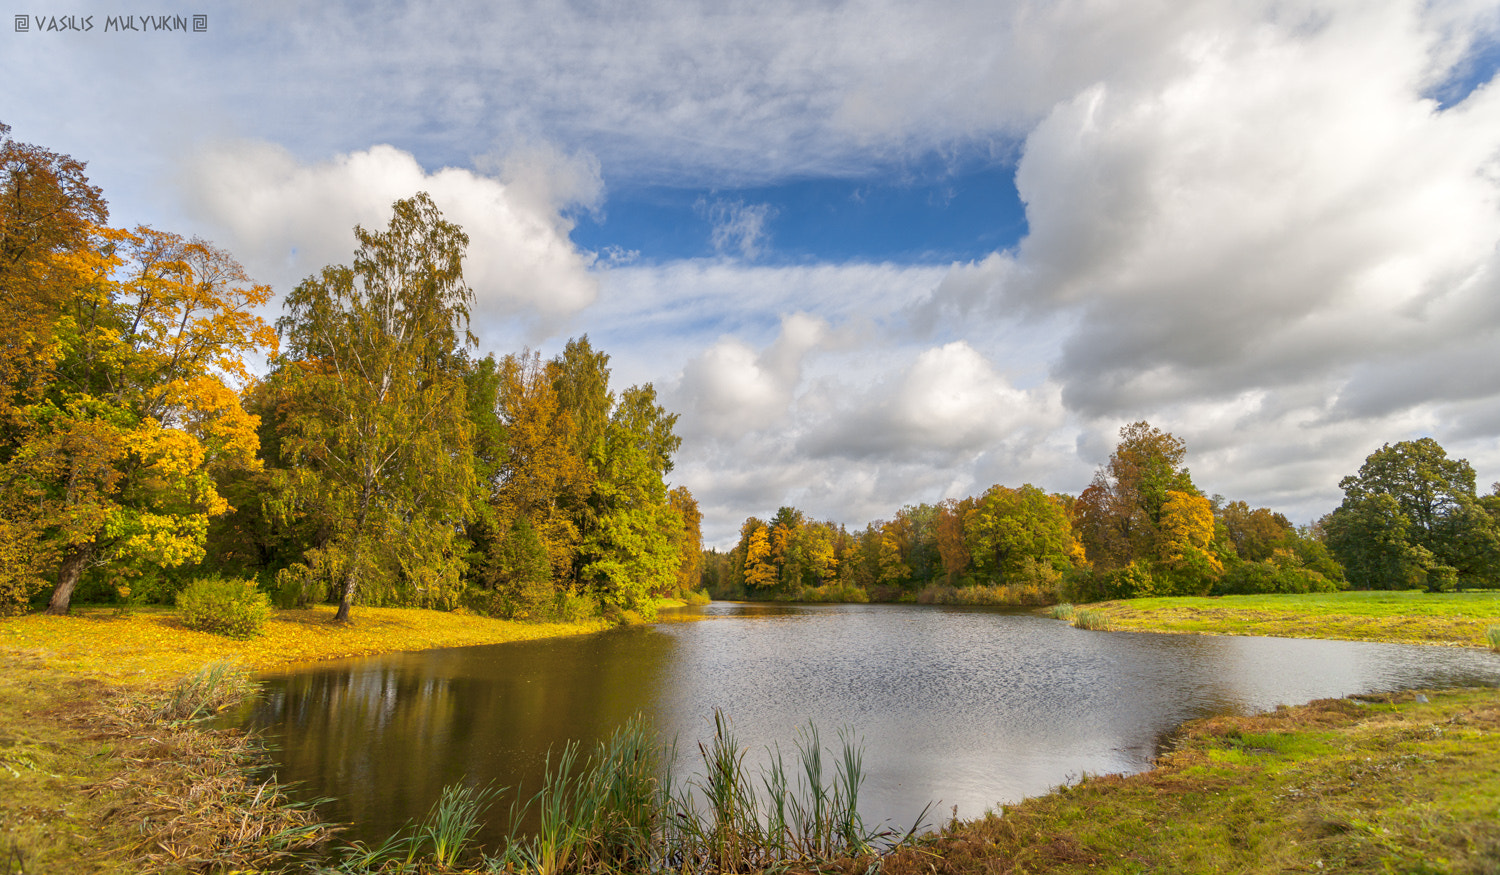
<point x="79" y="741"/>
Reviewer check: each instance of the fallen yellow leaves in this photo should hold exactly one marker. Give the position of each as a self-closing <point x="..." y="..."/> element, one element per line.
<point x="151" y="645"/>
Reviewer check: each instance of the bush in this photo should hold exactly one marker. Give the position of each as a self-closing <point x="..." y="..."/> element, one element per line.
<point x="696" y="598"/>
<point x="1257" y="578"/>
<point x="224" y="607"/>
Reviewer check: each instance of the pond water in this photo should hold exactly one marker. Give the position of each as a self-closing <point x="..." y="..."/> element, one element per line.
<point x="966" y="707"/>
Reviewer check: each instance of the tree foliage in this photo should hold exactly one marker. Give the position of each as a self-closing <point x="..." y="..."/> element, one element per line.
<point x="1410" y="517"/>
<point x="377" y="437"/>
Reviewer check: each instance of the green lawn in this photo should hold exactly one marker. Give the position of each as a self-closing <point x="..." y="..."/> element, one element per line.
<point x="1412" y="616"/>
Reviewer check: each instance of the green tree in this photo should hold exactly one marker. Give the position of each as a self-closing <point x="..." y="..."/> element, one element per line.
<point x="1411" y="516"/>
<point x="1009" y="530"/>
<point x="630" y="545"/>
<point x="377" y="435"/>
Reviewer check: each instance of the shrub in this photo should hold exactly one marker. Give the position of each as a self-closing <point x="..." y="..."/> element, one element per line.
<point x="696" y="598"/>
<point x="229" y="607"/>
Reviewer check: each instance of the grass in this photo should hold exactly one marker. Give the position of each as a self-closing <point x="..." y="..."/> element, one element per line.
<point x="1375" y="784"/>
<point x="105" y="766"/>
<point x="1092" y="618"/>
<point x="1411" y="617"/>
<point x="1492" y="635"/>
<point x="1063" y="611"/>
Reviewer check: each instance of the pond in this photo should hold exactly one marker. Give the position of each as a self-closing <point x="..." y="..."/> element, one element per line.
<point x="965" y="707"/>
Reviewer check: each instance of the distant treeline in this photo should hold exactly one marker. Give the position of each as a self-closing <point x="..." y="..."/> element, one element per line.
<point x="379" y="462"/>
<point x="1410" y="518"/>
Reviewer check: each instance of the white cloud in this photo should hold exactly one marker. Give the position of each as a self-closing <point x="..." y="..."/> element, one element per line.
<point x="285" y="219"/>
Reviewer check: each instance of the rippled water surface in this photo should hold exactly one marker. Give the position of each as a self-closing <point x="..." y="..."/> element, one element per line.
<point x="970" y="707"/>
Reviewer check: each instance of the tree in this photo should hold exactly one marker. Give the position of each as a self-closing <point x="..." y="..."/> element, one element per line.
<point x="629" y="550"/>
<point x="377" y="436"/>
<point x="1254" y="533"/>
<point x="538" y="475"/>
<point x="1186" y="534"/>
<point x="1011" y="530"/>
<point x="690" y="544"/>
<point x="117" y="448"/>
<point x="1119" y="515"/>
<point x="952" y="547"/>
<point x="1411" y="516"/>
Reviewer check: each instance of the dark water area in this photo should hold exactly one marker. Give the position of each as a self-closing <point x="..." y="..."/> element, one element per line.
<point x="973" y="707"/>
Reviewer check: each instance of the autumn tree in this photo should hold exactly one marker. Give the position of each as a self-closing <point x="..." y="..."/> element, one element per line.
<point x="1118" y="517"/>
<point x="1256" y="533"/>
<point x="138" y="412"/>
<point x="539" y="475"/>
<point x="953" y="549"/>
<point x="378" y="437"/>
<point x="760" y="574"/>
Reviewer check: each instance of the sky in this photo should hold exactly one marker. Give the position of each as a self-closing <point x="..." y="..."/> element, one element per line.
<point x="874" y="254"/>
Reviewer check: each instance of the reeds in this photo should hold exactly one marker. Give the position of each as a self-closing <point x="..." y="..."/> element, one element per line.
<point x="1063" y="611"/>
<point x="1493" y="636"/>
<point x="1091" y="619"/>
<point x="206" y="692"/>
<point x="619" y="811"/>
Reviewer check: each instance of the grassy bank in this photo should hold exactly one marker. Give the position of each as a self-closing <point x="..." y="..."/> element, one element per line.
<point x="103" y="769"/>
<point x="1373" y="784"/>
<point x="1411" y="617"/>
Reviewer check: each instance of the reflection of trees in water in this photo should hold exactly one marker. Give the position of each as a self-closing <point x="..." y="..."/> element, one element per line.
<point x="386" y="735"/>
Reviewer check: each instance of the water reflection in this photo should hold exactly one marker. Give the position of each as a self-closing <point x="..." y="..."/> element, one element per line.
<point x="972" y="707"/>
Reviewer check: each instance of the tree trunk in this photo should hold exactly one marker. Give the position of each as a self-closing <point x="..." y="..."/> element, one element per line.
<point x="68" y="575"/>
<point x="351" y="584"/>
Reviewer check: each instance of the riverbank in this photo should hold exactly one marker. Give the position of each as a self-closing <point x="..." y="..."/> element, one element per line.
<point x="1402" y="783"/>
<point x="102" y="769"/>
<point x="1409" y="617"/>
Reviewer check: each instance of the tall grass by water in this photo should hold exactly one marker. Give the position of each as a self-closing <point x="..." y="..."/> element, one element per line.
<point x="1493" y="636"/>
<point x="621" y="810"/>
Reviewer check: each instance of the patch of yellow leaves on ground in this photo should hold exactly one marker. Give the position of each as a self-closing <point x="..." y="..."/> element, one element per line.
<point x="150" y="646"/>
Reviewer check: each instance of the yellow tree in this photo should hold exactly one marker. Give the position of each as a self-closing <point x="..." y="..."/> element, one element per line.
<point x="140" y="410"/>
<point x="760" y="572"/>
<point x="690" y="545"/>
<point x="1184" y="536"/>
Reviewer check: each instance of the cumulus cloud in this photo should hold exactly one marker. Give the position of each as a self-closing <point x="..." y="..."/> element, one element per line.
<point x="949" y="402"/>
<point x="285" y="218"/>
<point x="730" y="388"/>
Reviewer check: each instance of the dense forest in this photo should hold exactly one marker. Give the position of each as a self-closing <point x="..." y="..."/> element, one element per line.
<point x="378" y="461"/>
<point x="1410" y="518"/>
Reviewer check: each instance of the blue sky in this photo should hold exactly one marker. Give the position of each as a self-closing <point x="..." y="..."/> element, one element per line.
<point x="934" y="214"/>
<point x="875" y="253"/>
